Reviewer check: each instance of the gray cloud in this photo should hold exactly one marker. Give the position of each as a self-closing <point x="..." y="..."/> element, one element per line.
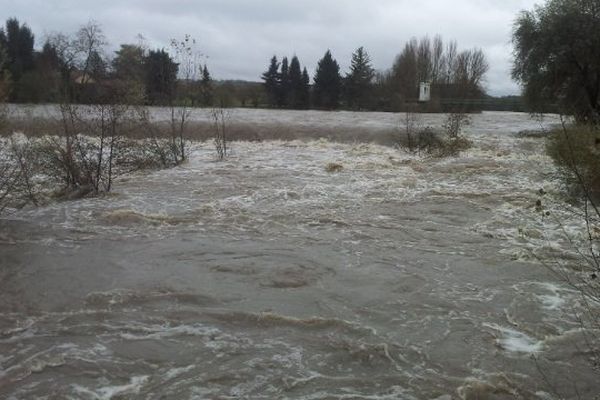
<point x="240" y="36"/>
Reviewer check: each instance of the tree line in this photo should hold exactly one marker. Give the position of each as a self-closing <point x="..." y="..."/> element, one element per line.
<point x="453" y="74"/>
<point x="77" y="68"/>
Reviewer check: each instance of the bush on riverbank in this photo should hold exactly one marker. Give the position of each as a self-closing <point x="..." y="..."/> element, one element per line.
<point x="576" y="152"/>
<point x="35" y="170"/>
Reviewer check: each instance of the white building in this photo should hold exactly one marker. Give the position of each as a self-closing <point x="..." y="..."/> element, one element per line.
<point x="424" y="92"/>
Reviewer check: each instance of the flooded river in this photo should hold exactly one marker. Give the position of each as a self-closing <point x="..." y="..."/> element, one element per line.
<point x="266" y="277"/>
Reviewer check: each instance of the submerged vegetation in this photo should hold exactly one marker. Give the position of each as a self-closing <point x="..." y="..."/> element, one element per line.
<point x="254" y="245"/>
<point x="446" y="141"/>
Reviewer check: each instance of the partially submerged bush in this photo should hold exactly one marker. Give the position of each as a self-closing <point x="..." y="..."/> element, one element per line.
<point x="426" y="140"/>
<point x="454" y="124"/>
<point x="72" y="165"/>
<point x="18" y="167"/>
<point x="219" y="118"/>
<point x="334" y="167"/>
<point x="421" y="141"/>
<point x="576" y="152"/>
<point x="451" y="147"/>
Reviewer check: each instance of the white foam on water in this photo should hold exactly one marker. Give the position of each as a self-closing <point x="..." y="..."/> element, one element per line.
<point x="175" y="372"/>
<point x="392" y="393"/>
<point x="156" y="332"/>
<point x="553" y="301"/>
<point x="515" y="341"/>
<point x="108" y="392"/>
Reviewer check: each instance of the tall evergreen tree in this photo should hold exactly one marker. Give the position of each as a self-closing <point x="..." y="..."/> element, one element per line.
<point x="206" y="89"/>
<point x="359" y="80"/>
<point x="17" y="40"/>
<point x="271" y="81"/>
<point x="284" y="83"/>
<point x="5" y="81"/>
<point x="295" y="78"/>
<point x="128" y="65"/>
<point x="304" y="100"/>
<point x="328" y="83"/>
<point x="160" y="77"/>
<point x="48" y="58"/>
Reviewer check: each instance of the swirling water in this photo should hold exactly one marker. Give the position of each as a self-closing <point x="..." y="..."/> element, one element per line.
<point x="266" y="277"/>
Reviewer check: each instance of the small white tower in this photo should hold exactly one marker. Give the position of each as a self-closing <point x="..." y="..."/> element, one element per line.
<point x="424" y="92"/>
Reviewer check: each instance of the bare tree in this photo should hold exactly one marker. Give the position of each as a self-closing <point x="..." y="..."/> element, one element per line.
<point x="219" y="132"/>
<point x="450" y="58"/>
<point x="424" y="60"/>
<point x="429" y="61"/>
<point x="469" y="70"/>
<point x="190" y="66"/>
<point x="437" y="58"/>
<point x="88" y="43"/>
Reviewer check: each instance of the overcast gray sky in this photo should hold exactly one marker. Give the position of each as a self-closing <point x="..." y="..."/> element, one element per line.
<point x="240" y="36"/>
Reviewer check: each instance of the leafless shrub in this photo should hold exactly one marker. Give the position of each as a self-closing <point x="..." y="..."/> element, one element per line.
<point x="179" y="119"/>
<point x="18" y="166"/>
<point x="219" y="117"/>
<point x="454" y="124"/>
<point x="159" y="148"/>
<point x="427" y="141"/>
<point x="411" y="122"/>
<point x="95" y="146"/>
<point x="414" y="138"/>
<point x="83" y="162"/>
<point x="24" y="157"/>
<point x="9" y="176"/>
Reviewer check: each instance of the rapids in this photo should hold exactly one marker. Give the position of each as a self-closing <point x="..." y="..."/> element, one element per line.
<point x="266" y="277"/>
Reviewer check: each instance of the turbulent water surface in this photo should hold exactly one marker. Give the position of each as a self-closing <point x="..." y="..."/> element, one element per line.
<point x="267" y="277"/>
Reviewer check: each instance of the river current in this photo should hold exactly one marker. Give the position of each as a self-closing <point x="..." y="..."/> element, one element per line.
<point x="265" y="276"/>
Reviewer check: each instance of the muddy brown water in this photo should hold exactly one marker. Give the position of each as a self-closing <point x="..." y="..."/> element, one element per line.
<point x="267" y="277"/>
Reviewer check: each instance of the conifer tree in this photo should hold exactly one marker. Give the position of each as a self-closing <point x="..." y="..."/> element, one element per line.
<point x="17" y="42"/>
<point x="304" y="100"/>
<point x="328" y="83"/>
<point x="359" y="79"/>
<point x="128" y="64"/>
<point x="284" y="83"/>
<point x="271" y="81"/>
<point x="206" y="88"/>
<point x="161" y="77"/>
<point x="295" y="75"/>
